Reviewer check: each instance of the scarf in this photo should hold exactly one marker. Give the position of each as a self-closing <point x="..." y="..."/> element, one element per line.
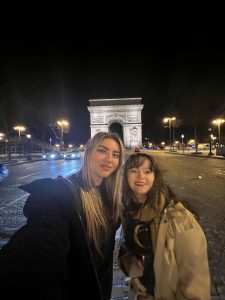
<point x="146" y="213"/>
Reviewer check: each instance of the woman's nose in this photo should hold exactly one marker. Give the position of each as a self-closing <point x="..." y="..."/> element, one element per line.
<point x="109" y="156"/>
<point x="140" y="174"/>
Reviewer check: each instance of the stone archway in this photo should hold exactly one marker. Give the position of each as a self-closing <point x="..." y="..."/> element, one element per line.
<point x="122" y="111"/>
<point x="118" y="128"/>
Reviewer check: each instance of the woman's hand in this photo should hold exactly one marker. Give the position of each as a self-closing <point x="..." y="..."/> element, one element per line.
<point x="131" y="265"/>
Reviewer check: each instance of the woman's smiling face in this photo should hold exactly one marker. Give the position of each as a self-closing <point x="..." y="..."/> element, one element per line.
<point x="141" y="180"/>
<point x="105" y="160"/>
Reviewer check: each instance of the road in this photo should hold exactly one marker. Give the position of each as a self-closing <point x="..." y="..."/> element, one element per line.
<point x="198" y="180"/>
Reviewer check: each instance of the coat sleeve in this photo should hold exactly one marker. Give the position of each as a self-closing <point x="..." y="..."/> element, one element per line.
<point x="35" y="258"/>
<point x="192" y="263"/>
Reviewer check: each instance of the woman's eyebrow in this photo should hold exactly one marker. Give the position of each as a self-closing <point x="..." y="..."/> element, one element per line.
<point x="108" y="148"/>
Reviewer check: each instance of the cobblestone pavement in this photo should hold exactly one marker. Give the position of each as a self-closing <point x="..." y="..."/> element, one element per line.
<point x="120" y="287"/>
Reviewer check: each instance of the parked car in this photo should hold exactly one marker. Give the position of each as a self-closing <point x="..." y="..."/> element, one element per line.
<point x="72" y="155"/>
<point x="137" y="149"/>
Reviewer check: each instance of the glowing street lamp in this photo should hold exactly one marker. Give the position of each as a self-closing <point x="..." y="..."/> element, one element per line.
<point x="169" y="120"/>
<point x="20" y="129"/>
<point x="29" y="147"/>
<point x="218" y="122"/>
<point x="63" y="124"/>
<point x="182" y="139"/>
<point x="2" y="135"/>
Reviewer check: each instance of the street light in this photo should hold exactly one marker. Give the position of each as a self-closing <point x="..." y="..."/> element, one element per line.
<point x="30" y="147"/>
<point x="2" y="135"/>
<point x="182" y="138"/>
<point x="62" y="124"/>
<point x="20" y="129"/>
<point x="169" y="120"/>
<point x="218" y="122"/>
<point x="210" y="141"/>
<point x="182" y="141"/>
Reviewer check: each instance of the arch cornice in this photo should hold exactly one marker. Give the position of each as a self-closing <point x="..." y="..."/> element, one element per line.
<point x="105" y="109"/>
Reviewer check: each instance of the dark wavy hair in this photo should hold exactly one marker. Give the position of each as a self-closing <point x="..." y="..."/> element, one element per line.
<point x="159" y="187"/>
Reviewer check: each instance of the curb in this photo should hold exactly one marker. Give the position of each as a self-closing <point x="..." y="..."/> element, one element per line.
<point x="16" y="162"/>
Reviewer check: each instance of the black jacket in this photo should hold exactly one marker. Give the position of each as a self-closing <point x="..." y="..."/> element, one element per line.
<point x="49" y="257"/>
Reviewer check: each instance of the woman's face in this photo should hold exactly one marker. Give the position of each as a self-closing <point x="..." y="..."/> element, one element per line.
<point x="141" y="180"/>
<point x="105" y="160"/>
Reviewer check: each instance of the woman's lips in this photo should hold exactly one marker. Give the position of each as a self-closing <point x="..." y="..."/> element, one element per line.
<point x="138" y="183"/>
<point x="105" y="168"/>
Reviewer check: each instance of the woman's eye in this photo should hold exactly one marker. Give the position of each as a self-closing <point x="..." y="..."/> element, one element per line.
<point x="133" y="170"/>
<point x="101" y="150"/>
<point x="148" y="171"/>
<point x="116" y="155"/>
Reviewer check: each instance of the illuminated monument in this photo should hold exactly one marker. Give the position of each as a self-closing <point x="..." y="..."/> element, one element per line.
<point x="121" y="115"/>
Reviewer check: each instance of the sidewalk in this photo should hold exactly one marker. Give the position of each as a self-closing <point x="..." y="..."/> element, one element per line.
<point x="203" y="153"/>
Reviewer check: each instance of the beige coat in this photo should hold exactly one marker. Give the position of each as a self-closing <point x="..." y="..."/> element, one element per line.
<point x="180" y="261"/>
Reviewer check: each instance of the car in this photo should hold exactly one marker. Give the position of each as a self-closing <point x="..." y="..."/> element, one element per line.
<point x="137" y="149"/>
<point x="52" y="156"/>
<point x="3" y="172"/>
<point x="72" y="155"/>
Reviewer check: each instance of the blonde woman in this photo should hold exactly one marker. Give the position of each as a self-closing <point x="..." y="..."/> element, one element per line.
<point x="165" y="249"/>
<point x="66" y="247"/>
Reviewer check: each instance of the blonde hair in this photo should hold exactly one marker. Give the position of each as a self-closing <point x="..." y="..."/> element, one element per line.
<point x="96" y="220"/>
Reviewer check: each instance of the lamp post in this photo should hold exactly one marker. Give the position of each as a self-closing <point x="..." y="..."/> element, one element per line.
<point x="182" y="141"/>
<point x="169" y="121"/>
<point x="20" y="129"/>
<point x="62" y="124"/>
<point x="210" y="141"/>
<point x="218" y="122"/>
<point x="30" y="148"/>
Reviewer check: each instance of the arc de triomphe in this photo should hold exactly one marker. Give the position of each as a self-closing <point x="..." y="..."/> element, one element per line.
<point x="122" y="115"/>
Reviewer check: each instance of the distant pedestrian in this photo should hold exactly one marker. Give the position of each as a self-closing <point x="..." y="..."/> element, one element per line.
<point x="65" y="250"/>
<point x="164" y="250"/>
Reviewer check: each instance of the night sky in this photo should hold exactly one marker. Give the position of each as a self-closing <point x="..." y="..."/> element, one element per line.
<point x="46" y="78"/>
